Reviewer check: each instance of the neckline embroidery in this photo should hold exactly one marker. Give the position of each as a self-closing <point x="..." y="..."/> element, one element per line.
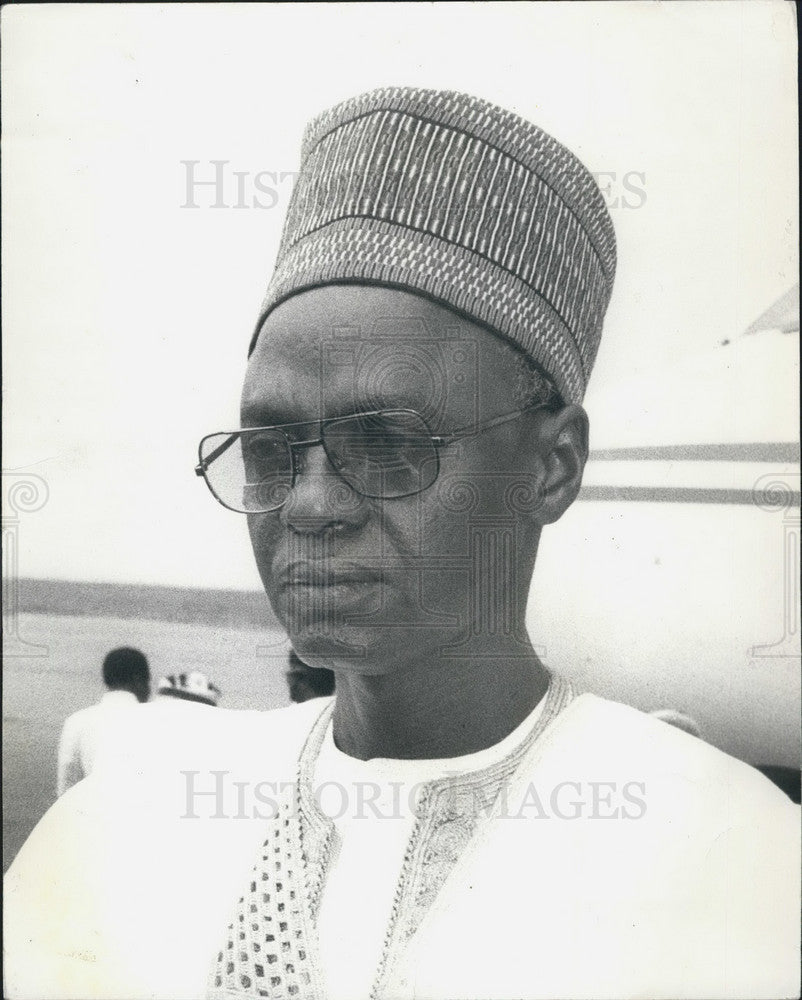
<point x="272" y="949"/>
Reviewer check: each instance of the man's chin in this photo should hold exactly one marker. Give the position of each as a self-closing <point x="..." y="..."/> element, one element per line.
<point x="366" y="637"/>
<point x="350" y="650"/>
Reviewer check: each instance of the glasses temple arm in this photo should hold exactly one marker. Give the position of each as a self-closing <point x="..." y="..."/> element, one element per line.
<point x="204" y="464"/>
<point x="469" y="431"/>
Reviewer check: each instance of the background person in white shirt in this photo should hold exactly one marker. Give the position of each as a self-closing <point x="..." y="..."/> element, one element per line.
<point x="127" y="676"/>
<point x="194" y="688"/>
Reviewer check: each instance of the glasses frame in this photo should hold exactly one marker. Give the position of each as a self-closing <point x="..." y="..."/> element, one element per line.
<point x="438" y="441"/>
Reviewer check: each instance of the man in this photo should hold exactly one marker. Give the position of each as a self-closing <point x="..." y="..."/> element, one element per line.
<point x="305" y="682"/>
<point x="127" y="676"/>
<point x="458" y="822"/>
<point x="193" y="688"/>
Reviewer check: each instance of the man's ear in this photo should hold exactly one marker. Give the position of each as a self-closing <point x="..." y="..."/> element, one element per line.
<point x="563" y="450"/>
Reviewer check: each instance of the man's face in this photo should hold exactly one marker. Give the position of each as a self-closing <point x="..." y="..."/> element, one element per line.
<point x="364" y="583"/>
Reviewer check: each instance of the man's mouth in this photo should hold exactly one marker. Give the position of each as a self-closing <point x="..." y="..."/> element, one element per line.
<point x="325" y="575"/>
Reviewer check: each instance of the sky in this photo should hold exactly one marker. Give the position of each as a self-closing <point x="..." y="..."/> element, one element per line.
<point x="127" y="312"/>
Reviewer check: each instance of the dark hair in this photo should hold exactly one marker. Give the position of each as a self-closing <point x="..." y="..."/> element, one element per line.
<point x="318" y="681"/>
<point x="533" y="386"/>
<point x="125" y="669"/>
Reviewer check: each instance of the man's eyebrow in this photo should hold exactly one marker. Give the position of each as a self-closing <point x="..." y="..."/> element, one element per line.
<point x="266" y="414"/>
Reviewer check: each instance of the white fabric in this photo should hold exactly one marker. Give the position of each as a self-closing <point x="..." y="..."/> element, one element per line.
<point x="118" y="894"/>
<point x="696" y="894"/>
<point x="372" y="806"/>
<point x="184" y="704"/>
<point x="82" y="733"/>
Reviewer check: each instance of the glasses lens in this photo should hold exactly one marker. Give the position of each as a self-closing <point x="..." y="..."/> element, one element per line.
<point x="388" y="454"/>
<point x="250" y="471"/>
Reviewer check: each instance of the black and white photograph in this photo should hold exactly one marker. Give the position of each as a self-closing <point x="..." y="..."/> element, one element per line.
<point x="401" y="501"/>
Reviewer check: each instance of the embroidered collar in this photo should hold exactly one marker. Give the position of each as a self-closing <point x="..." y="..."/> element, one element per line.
<point x="271" y="948"/>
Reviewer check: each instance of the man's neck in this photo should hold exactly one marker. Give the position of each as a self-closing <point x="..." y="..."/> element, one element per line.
<point x="119" y="694"/>
<point x="438" y="708"/>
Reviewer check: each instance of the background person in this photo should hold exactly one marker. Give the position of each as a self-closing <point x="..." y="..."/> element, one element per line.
<point x="127" y="676"/>
<point x="307" y="682"/>
<point x="193" y="688"/>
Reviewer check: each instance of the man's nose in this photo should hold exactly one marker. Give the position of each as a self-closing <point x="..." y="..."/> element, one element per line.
<point x="321" y="500"/>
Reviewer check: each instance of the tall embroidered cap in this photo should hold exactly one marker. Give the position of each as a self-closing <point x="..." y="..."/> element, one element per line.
<point x="451" y="197"/>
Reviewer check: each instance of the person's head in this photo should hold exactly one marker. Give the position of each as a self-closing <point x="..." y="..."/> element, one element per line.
<point x="192" y="687"/>
<point x="443" y="275"/>
<point x="126" y="669"/>
<point x="305" y="682"/>
<point x="357" y="578"/>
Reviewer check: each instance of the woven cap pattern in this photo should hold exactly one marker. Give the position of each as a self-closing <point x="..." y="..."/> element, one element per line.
<point x="447" y="195"/>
